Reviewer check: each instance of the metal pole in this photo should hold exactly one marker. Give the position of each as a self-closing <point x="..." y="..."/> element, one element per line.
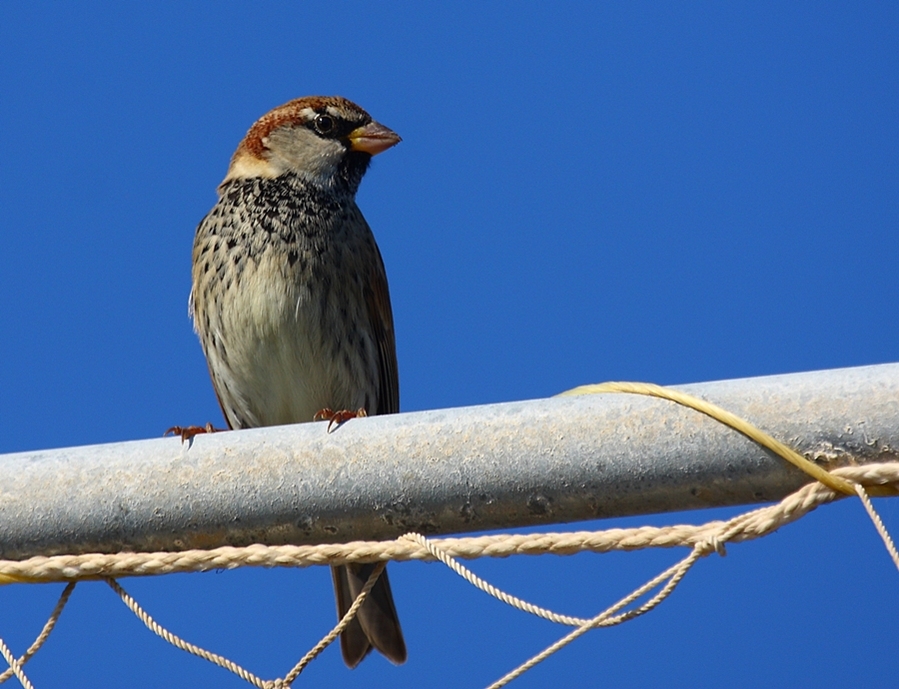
<point x="447" y="471"/>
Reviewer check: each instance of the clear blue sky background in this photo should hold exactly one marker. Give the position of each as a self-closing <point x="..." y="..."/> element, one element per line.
<point x="666" y="192"/>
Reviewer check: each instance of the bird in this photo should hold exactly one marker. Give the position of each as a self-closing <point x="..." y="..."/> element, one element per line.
<point x="289" y="299"/>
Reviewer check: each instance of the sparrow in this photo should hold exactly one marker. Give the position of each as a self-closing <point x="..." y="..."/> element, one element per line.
<point x="290" y="301"/>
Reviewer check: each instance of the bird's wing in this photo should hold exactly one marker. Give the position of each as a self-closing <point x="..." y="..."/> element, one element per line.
<point x="380" y="316"/>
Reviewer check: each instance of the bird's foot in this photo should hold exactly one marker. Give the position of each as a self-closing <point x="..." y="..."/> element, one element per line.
<point x="188" y="432"/>
<point x="335" y="418"/>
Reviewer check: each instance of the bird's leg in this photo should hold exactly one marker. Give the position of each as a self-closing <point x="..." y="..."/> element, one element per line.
<point x="335" y="418"/>
<point x="188" y="432"/>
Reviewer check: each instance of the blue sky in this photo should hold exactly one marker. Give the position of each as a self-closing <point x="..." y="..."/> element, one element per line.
<point x="632" y="191"/>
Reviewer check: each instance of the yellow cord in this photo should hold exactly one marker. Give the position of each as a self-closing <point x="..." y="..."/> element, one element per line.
<point x="833" y="482"/>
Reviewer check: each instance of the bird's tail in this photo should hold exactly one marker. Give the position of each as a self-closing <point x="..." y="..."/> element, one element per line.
<point x="376" y="624"/>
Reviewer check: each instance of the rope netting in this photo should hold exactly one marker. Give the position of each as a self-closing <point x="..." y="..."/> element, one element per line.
<point x="702" y="540"/>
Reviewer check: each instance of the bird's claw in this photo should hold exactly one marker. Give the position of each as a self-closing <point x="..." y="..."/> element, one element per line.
<point x="336" y="418"/>
<point x="188" y="432"/>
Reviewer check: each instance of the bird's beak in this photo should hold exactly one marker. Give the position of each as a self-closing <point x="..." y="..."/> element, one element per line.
<point x="373" y="138"/>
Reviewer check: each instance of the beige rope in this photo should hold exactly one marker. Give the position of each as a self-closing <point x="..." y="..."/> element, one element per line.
<point x="489" y="588"/>
<point x="700" y="549"/>
<point x="231" y="666"/>
<point x="608" y="617"/>
<point x="178" y="642"/>
<point x="334" y="633"/>
<point x="15" y="666"/>
<point x="878" y="524"/>
<point x="42" y="637"/>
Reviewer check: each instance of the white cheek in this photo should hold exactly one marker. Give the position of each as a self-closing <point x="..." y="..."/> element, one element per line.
<point x="303" y="153"/>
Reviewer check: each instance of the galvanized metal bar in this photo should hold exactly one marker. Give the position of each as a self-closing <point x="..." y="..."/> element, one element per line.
<point x="447" y="471"/>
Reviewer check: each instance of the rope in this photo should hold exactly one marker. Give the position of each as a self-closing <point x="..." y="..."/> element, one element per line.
<point x="231" y="666"/>
<point x="334" y="633"/>
<point x="15" y="666"/>
<point x="878" y="524"/>
<point x="38" y="642"/>
<point x="178" y="642"/>
<point x="489" y="588"/>
<point x="608" y="617"/>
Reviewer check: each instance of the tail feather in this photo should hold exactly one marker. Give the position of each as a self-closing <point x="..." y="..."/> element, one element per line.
<point x="376" y="624"/>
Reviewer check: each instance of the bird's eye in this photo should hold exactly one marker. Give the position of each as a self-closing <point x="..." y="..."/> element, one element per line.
<point x="324" y="124"/>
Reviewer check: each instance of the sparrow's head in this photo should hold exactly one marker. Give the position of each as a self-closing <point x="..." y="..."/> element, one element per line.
<point x="325" y="140"/>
